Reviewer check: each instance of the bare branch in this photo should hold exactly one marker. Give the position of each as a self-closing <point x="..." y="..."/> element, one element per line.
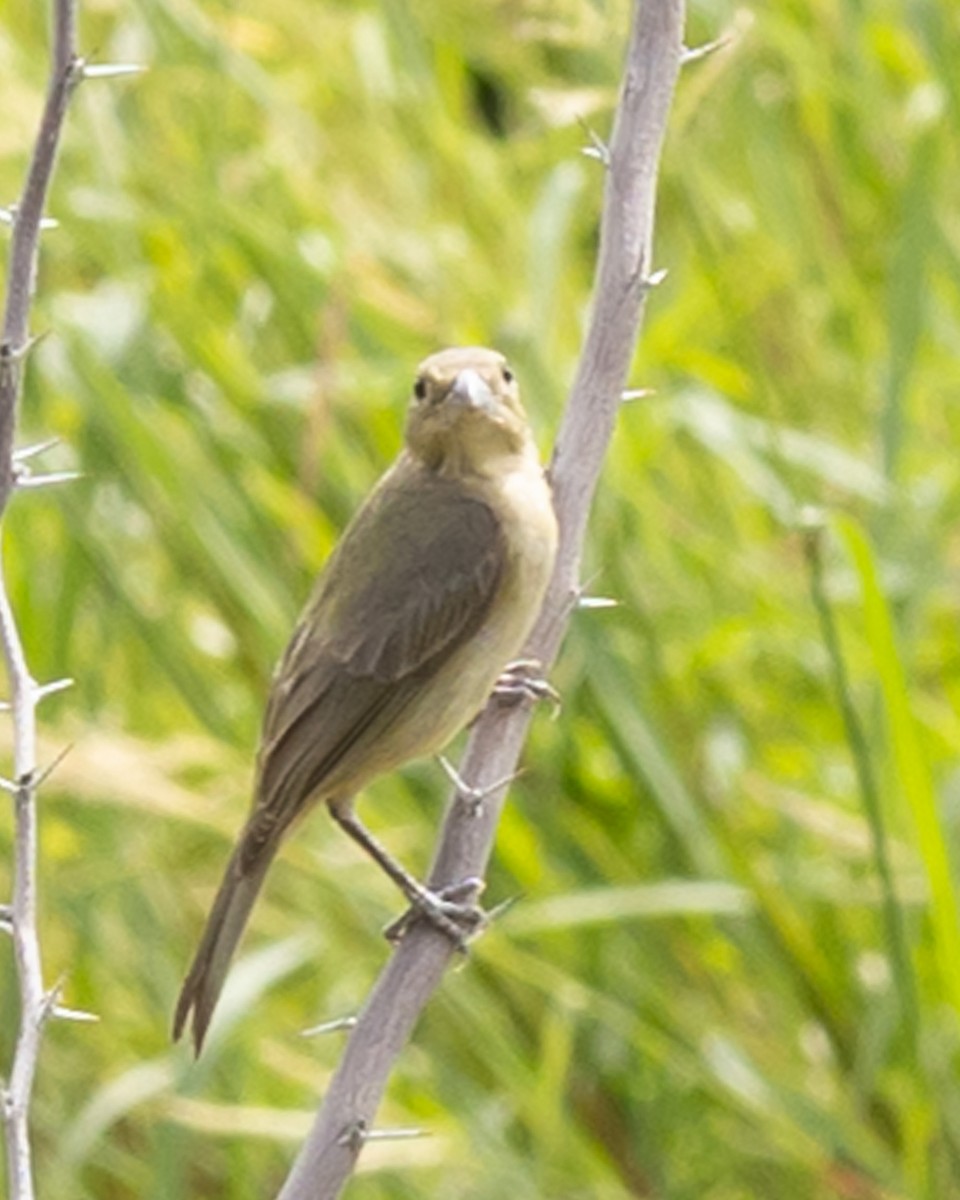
<point x="66" y="71"/>
<point x="36" y="1004"/>
<point x="16" y="1094"/>
<point x="622" y="281"/>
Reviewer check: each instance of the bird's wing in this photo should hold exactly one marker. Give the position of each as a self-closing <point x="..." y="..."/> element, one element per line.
<point x="412" y="579"/>
<point x="413" y="576"/>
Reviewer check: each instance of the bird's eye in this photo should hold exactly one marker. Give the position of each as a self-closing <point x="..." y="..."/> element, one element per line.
<point x="507" y="374"/>
<point x="420" y="388"/>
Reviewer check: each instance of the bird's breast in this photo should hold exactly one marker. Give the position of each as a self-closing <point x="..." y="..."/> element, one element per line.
<point x="523" y="505"/>
<point x="520" y="499"/>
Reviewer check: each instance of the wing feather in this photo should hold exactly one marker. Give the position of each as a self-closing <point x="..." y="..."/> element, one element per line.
<point x="412" y="579"/>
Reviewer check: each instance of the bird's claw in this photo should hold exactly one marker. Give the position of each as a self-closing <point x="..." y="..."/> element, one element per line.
<point x="523" y="680"/>
<point x="450" y="910"/>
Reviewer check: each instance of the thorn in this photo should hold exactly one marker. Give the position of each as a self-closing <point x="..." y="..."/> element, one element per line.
<point x="333" y="1026"/>
<point x="601" y="154"/>
<point x="45" y="222"/>
<point x="649" y="282"/>
<point x="32" y="342"/>
<point x="16" y="353"/>
<point x="387" y="1135"/>
<point x="8" y="216"/>
<point x="474" y="796"/>
<point x="598" y="148"/>
<point x="61" y="1013"/>
<point x="110" y="70"/>
<point x="597" y="602"/>
<point x="41" y="691"/>
<point x="74" y="73"/>
<point x="580" y="598"/>
<point x="50" y="1001"/>
<point x="691" y="54"/>
<point x="637" y="394"/>
<point x="354" y="1136"/>
<point x="37" y="447"/>
<point x="24" y="479"/>
<point x="504" y="906"/>
<point x="41" y="777"/>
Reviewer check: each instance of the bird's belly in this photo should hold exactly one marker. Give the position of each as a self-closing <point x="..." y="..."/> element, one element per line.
<point x="437" y="711"/>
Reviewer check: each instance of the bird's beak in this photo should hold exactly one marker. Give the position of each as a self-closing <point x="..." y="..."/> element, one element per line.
<point x="469" y="390"/>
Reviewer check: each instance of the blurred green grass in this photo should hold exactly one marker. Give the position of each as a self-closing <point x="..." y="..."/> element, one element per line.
<point x="698" y="997"/>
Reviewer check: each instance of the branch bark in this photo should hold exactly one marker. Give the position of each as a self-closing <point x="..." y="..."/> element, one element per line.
<point x="36" y="1004"/>
<point x="66" y="71"/>
<point x="620" y="286"/>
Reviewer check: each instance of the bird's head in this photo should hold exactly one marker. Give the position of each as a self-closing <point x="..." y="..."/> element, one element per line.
<point x="465" y="411"/>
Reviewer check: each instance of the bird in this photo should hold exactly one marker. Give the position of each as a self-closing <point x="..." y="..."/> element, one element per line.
<point x="428" y="596"/>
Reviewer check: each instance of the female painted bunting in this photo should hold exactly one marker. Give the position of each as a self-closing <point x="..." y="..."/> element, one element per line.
<point x="431" y="591"/>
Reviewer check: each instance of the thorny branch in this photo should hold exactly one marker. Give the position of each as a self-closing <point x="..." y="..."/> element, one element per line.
<point x="622" y="281"/>
<point x="36" y="1004"/>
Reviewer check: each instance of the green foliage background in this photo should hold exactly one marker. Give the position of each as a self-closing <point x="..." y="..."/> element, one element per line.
<point x="708" y="991"/>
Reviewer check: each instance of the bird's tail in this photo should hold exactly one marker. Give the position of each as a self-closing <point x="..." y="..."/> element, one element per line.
<point x="228" y="918"/>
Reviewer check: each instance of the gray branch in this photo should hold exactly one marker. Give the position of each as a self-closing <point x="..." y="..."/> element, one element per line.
<point x="36" y="1004"/>
<point x="66" y="71"/>
<point x="622" y="280"/>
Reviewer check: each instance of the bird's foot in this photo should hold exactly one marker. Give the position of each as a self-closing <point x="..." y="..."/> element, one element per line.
<point x="451" y="910"/>
<point x="524" y="680"/>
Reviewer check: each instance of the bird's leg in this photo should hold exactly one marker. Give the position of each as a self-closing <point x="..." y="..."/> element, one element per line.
<point x="445" y="909"/>
<point x="473" y="796"/>
<point x="523" y="680"/>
